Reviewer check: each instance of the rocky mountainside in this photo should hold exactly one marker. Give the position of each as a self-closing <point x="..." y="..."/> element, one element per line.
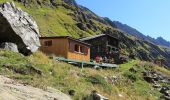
<point x="132" y="31"/>
<point x="66" y="17"/>
<point x="163" y="42"/>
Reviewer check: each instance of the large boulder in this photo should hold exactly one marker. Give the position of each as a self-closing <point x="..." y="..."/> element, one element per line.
<point x="18" y="27"/>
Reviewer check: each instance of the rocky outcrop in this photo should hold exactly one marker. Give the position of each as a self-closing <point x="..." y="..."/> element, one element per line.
<point x="71" y="2"/>
<point x="82" y="26"/>
<point x="97" y="96"/>
<point x="153" y="77"/>
<point x="19" y="28"/>
<point x="156" y="78"/>
<point x="53" y="2"/>
<point x="25" y="2"/>
<point x="166" y="92"/>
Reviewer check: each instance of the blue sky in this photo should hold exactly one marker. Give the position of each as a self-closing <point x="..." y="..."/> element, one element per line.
<point x="151" y="17"/>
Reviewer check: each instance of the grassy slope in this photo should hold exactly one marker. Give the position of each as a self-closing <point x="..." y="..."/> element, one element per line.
<point x="66" y="77"/>
<point x="52" y="21"/>
<point x="56" y="21"/>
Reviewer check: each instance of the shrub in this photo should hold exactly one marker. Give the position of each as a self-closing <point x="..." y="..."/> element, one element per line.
<point x="99" y="80"/>
<point x="133" y="77"/>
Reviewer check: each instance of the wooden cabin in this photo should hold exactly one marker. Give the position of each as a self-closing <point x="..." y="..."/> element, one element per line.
<point x="65" y="46"/>
<point x="105" y="46"/>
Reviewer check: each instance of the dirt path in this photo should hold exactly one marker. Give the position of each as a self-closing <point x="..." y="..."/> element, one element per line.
<point x="11" y="90"/>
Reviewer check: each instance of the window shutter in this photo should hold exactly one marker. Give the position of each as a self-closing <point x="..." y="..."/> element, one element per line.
<point x="86" y="50"/>
<point x="72" y="45"/>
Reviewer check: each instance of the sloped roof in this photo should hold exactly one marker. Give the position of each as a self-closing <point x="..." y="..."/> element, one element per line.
<point x="68" y="37"/>
<point x="96" y="36"/>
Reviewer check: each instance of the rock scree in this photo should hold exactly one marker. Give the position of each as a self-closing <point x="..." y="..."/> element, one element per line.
<point x="12" y="90"/>
<point x="159" y="81"/>
<point x="19" y="28"/>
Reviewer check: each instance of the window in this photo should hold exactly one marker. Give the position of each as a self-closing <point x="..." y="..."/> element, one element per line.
<point x="85" y="50"/>
<point x="76" y="48"/>
<point x="81" y="49"/>
<point x="48" y="43"/>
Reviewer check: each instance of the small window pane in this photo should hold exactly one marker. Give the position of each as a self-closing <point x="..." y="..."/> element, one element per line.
<point x="76" y="48"/>
<point x="81" y="49"/>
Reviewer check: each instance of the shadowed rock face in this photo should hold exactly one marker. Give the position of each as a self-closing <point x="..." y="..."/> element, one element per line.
<point x="9" y="46"/>
<point x="18" y="27"/>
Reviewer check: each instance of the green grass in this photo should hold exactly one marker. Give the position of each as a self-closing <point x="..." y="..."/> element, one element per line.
<point x="2" y="1"/>
<point x="50" y="21"/>
<point x="65" y="77"/>
<point x="127" y="66"/>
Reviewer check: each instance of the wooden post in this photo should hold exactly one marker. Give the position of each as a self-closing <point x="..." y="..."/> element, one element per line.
<point x="82" y="65"/>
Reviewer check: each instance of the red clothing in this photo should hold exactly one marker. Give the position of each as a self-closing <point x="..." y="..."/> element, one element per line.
<point x="98" y="59"/>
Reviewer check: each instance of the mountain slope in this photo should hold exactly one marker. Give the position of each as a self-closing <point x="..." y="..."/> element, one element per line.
<point x="66" y="17"/>
<point x="129" y="30"/>
<point x="132" y="31"/>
